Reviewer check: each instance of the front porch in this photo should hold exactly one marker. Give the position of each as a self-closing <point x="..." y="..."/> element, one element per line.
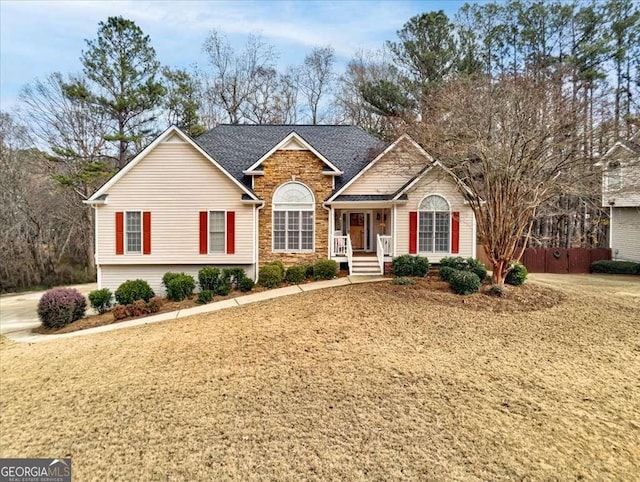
<point x="361" y="237"/>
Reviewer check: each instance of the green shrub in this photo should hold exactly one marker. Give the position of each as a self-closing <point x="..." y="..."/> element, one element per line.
<point x="208" y="278"/>
<point x="445" y="272"/>
<point x="60" y="306"/>
<point x="154" y="304"/>
<point x="270" y="276"/>
<point x="132" y="290"/>
<point x="516" y="275"/>
<point x="168" y="277"/>
<point x="233" y="276"/>
<point x="496" y="290"/>
<point x="325" y="269"/>
<point x="466" y="264"/>
<point x="246" y="284"/>
<point x="280" y="266"/>
<point x="407" y="265"/>
<point x="615" y="267"/>
<point x="179" y="286"/>
<point x="464" y="282"/>
<point x="309" y="272"/>
<point x="296" y="274"/>
<point x="223" y="288"/>
<point x="205" y="296"/>
<point x="120" y="312"/>
<point x="402" y="265"/>
<point x="401" y="280"/>
<point x="101" y="300"/>
<point x="420" y="266"/>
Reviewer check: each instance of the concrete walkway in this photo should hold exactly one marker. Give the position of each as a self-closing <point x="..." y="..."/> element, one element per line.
<point x="26" y="336"/>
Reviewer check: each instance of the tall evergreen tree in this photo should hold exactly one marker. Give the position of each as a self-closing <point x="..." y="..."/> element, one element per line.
<point x="122" y="66"/>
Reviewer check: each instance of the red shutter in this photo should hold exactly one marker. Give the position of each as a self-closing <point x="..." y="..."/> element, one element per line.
<point x="204" y="234"/>
<point x="413" y="232"/>
<point x="455" y="232"/>
<point x="146" y="232"/>
<point x="119" y="232"/>
<point x="231" y="232"/>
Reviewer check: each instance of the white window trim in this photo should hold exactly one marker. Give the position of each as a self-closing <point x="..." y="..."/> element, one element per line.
<point x="286" y="221"/>
<point x="450" y="212"/>
<point x="209" y="231"/>
<point x="126" y="233"/>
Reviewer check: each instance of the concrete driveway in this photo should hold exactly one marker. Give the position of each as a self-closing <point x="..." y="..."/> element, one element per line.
<point x="19" y="312"/>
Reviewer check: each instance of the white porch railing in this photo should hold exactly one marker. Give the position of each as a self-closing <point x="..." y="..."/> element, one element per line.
<point x="339" y="246"/>
<point x="349" y="254"/>
<point x="385" y="245"/>
<point x="380" y="252"/>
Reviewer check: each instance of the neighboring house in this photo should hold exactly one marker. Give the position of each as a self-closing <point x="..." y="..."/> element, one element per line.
<point x="246" y="195"/>
<point x="621" y="193"/>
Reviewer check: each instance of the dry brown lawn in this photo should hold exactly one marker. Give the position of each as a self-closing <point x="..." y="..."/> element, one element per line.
<point x="370" y="381"/>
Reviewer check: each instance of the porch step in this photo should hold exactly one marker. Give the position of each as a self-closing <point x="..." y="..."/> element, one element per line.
<point x="365" y="266"/>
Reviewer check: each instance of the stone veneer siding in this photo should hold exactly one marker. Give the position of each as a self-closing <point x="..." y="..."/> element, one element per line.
<point x="282" y="167"/>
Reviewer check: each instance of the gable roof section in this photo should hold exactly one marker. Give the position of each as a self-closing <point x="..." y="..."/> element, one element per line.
<point x="294" y="136"/>
<point x="377" y="158"/>
<point x="238" y="147"/>
<point x="413" y="181"/>
<point x="169" y="133"/>
<point x="630" y="145"/>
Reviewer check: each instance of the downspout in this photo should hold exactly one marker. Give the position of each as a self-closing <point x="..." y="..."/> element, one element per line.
<point x="330" y="233"/>
<point x="256" y="240"/>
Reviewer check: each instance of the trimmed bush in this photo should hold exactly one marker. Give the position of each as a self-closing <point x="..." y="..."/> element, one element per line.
<point x="246" y="284"/>
<point x="280" y="266"/>
<point x="120" y="312"/>
<point x="132" y="290"/>
<point x="464" y="282"/>
<point x="402" y="265"/>
<point x="154" y="304"/>
<point x="179" y="286"/>
<point x="205" y="296"/>
<point x="615" y="267"/>
<point x="420" y="266"/>
<point x="325" y="269"/>
<point x="296" y="274"/>
<point x="137" y="308"/>
<point x="401" y="280"/>
<point x="445" y="272"/>
<point x="233" y="276"/>
<point x="407" y="265"/>
<point x="223" y="288"/>
<point x="208" y="277"/>
<point x="270" y="276"/>
<point x="309" y="272"/>
<point x="516" y="275"/>
<point x="60" y="306"/>
<point x="466" y="264"/>
<point x="496" y="290"/>
<point x="101" y="300"/>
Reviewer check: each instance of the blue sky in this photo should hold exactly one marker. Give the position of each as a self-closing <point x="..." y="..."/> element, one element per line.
<point x="41" y="37"/>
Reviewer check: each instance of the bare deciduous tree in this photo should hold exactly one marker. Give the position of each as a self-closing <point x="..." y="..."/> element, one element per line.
<point x="316" y="78"/>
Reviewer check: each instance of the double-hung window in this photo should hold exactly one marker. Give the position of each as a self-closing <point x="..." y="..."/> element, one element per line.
<point x="134" y="231"/>
<point x="293" y="218"/>
<point x="434" y="225"/>
<point x="217" y="232"/>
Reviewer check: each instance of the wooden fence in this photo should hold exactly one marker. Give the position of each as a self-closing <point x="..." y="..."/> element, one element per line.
<point x="556" y="260"/>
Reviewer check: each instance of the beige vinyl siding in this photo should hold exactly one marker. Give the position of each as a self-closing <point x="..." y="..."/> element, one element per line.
<point x="436" y="181"/>
<point x="390" y="172"/>
<point x="175" y="182"/>
<point x="113" y="276"/>
<point x="625" y="234"/>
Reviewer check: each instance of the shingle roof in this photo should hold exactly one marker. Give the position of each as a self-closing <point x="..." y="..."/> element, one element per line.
<point x="237" y="147"/>
<point x="368" y="197"/>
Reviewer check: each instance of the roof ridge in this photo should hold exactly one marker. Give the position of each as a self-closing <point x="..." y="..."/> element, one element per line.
<point x="287" y="125"/>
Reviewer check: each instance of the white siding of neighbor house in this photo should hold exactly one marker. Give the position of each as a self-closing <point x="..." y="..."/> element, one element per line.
<point x="436" y="181"/>
<point x="625" y="234"/>
<point x="628" y="192"/>
<point x="113" y="276"/>
<point x="174" y="182"/>
<point x="391" y="171"/>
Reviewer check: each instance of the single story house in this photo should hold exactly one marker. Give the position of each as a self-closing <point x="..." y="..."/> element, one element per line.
<point x="621" y="194"/>
<point x="246" y="195"/>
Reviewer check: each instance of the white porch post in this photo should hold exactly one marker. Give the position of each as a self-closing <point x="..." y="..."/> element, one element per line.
<point x="331" y="230"/>
<point x="393" y="225"/>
